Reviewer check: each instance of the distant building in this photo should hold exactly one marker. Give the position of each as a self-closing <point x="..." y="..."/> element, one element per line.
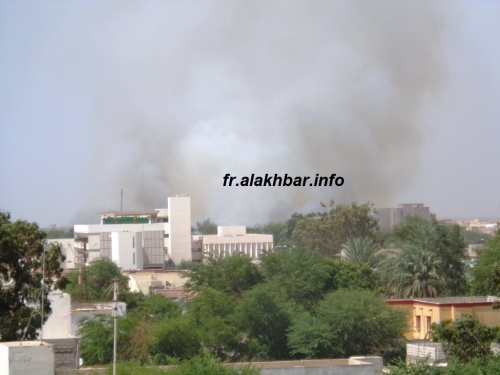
<point x="140" y="239"/>
<point x="387" y="218"/>
<point x="481" y="226"/>
<point x="160" y="238"/>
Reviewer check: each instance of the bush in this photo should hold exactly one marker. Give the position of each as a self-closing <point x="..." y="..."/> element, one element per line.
<point x="465" y="339"/>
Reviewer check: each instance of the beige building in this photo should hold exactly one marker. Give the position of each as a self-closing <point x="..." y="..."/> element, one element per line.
<point x="425" y="311"/>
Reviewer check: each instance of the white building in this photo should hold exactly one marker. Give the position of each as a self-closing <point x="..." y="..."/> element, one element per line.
<point x="140" y="239"/>
<point x="230" y="239"/>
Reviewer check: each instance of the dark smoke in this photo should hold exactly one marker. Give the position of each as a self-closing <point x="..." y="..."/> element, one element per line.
<point x="189" y="91"/>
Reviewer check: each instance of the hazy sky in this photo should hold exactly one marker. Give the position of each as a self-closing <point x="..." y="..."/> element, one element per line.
<point x="400" y="98"/>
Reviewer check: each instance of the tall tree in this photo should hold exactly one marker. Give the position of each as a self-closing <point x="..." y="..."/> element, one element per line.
<point x="21" y="259"/>
<point x="488" y="259"/>
<point x="346" y="323"/>
<point x="464" y="339"/>
<point x="207" y="226"/>
<point x="426" y="259"/>
<point x="233" y="274"/>
<point x="100" y="275"/>
<point x="274" y="228"/>
<point x="361" y="250"/>
<point x="327" y="231"/>
<point x="299" y="275"/>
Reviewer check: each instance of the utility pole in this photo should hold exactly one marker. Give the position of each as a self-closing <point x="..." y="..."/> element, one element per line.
<point x="43" y="292"/>
<point x="115" y="315"/>
<point x="82" y="277"/>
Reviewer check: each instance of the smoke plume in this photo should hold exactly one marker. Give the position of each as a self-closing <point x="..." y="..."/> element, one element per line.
<point x="185" y="92"/>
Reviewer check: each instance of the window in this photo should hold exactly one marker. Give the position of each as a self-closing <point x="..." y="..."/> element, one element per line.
<point x="133" y="243"/>
<point x="428" y="323"/>
<point x="417" y="322"/>
<point x="133" y="259"/>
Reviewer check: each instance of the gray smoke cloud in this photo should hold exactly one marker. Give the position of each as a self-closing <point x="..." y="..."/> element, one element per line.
<point x="186" y="92"/>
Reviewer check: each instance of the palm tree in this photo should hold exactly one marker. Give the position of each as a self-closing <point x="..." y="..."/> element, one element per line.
<point x="360" y="250"/>
<point x="411" y="271"/>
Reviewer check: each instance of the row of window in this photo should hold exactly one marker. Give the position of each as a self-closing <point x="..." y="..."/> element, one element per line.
<point x="418" y="322"/>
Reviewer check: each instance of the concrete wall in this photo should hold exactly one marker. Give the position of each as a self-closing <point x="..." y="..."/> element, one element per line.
<point x="66" y="353"/>
<point x="315" y="367"/>
<point x="232" y="230"/>
<point x="28" y="357"/>
<point x="309" y="367"/>
<point x="126" y="250"/>
<point x="179" y="217"/>
<point x="419" y="350"/>
<point x="59" y="323"/>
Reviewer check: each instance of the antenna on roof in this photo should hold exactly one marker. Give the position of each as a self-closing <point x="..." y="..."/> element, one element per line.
<point x="143" y="191"/>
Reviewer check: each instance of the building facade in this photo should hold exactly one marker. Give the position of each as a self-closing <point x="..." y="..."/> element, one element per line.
<point x="140" y="239"/>
<point x="387" y="218"/>
<point x="425" y="311"/>
<point x="230" y="239"/>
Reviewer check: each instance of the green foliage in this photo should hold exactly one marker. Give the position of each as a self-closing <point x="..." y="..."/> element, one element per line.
<point x="426" y="260"/>
<point x="274" y="228"/>
<point x="199" y="365"/>
<point x="487" y="260"/>
<point x="206" y="226"/>
<point x="327" y="231"/>
<point x="343" y="275"/>
<point x="96" y="339"/>
<point x="21" y="258"/>
<point x="212" y="312"/>
<point x="475" y="238"/>
<point x="299" y="275"/>
<point x="361" y="250"/>
<point x="420" y="368"/>
<point x="233" y="274"/>
<point x="156" y="307"/>
<point x="206" y="365"/>
<point x="174" y="338"/>
<point x="266" y="322"/>
<point x="464" y="339"/>
<point x="346" y="323"/>
<point x="60" y="233"/>
<point x="479" y="366"/>
<point x="100" y="275"/>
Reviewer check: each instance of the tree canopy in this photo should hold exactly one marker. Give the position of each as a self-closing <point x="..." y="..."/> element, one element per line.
<point x="348" y="322"/>
<point x="464" y="339"/>
<point x="21" y="258"/>
<point x="426" y="259"/>
<point x="207" y="226"/>
<point x="100" y="275"/>
<point x="488" y="259"/>
<point x="327" y="231"/>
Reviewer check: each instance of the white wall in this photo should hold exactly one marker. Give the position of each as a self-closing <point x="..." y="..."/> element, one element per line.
<point x="251" y="244"/>
<point x="27" y="358"/>
<point x="58" y="326"/>
<point x="68" y="250"/>
<point x="231" y="230"/>
<point x="98" y="228"/>
<point x="126" y="250"/>
<point x="179" y="217"/>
